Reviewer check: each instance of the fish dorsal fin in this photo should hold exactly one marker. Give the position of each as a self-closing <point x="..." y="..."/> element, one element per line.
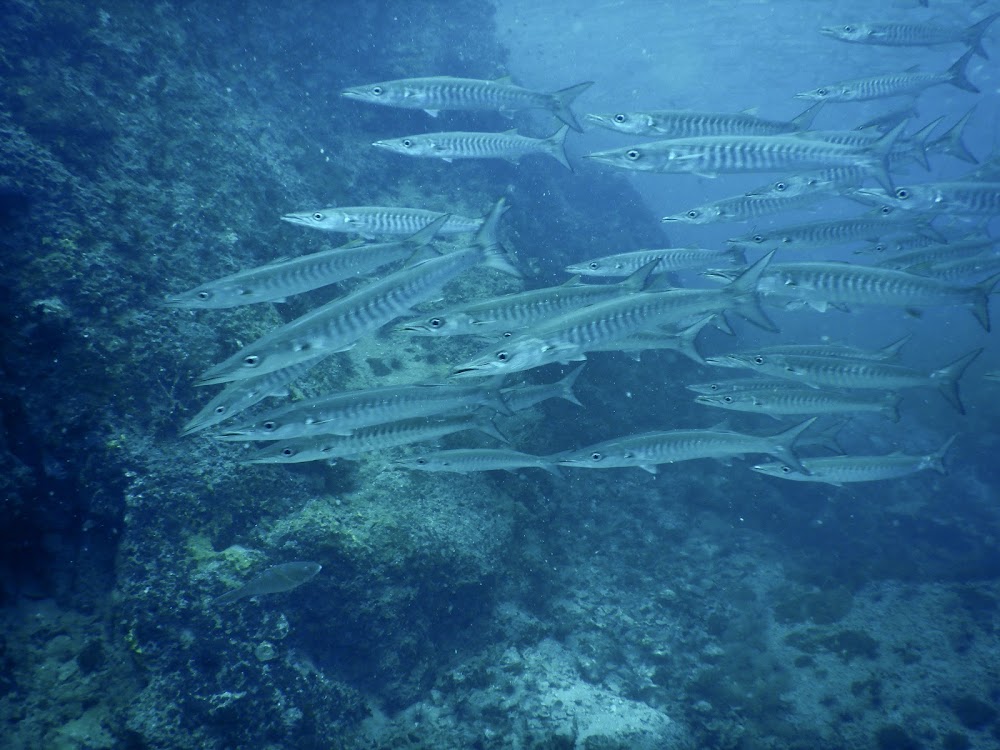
<point x="574" y="281"/>
<point x="504" y="80"/>
<point x="752" y="111"/>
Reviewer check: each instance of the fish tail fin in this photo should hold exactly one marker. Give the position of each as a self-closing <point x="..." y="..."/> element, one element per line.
<point x="956" y="73"/>
<point x="495" y="255"/>
<point x="487" y="427"/>
<point x="687" y="340"/>
<point x="745" y="301"/>
<point x="948" y="376"/>
<point x="877" y="165"/>
<point x="563" y="98"/>
<point x="556" y="145"/>
<point x="981" y="299"/>
<point x="951" y="142"/>
<point x="805" y="119"/>
<point x="891" y="351"/>
<point x="565" y="386"/>
<point x="919" y="142"/>
<point x="935" y="460"/>
<point x="781" y="445"/>
<point x="974" y="35"/>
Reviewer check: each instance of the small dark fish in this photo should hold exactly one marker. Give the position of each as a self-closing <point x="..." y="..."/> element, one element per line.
<point x="274" y="580"/>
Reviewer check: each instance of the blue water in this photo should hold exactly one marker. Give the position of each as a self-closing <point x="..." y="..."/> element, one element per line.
<point x="147" y="150"/>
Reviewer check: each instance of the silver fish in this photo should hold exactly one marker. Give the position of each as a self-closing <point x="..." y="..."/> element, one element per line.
<point x="446" y="93"/>
<point x="337" y="325"/>
<point x="744" y="208"/>
<point x="740" y="385"/>
<point x="285" y="278"/>
<point x="909" y="82"/>
<point x="461" y="145"/>
<point x="825" y="233"/>
<point x="364" y="440"/>
<point x="647" y="450"/>
<point x="805" y="401"/>
<point x="669" y="123"/>
<point x="855" y="373"/>
<point x="274" y="580"/>
<point x="381" y="221"/>
<point x="466" y="460"/>
<point x="666" y="259"/>
<point x="933" y="254"/>
<point x="521" y="397"/>
<point x="912" y="34"/>
<point x="839" y="470"/>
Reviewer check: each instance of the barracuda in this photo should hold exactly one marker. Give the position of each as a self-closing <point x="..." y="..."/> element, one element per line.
<point x="514" y="312"/>
<point x="459" y="145"/>
<point x="966" y="198"/>
<point x="737" y="154"/>
<point x="909" y="82"/>
<point x="804" y="402"/>
<point x="853" y="373"/>
<point x="933" y="254"/>
<point x="446" y="93"/>
<point x="739" y="385"/>
<point x="666" y="260"/>
<point x="650" y="449"/>
<point x="337" y="325"/>
<point x="367" y="440"/>
<point x="521" y="397"/>
<point x="824" y="181"/>
<point x="568" y="337"/>
<point x="381" y="221"/>
<point x="282" y="279"/>
<point x="343" y="413"/>
<point x="825" y="233"/>
<point x="912" y="34"/>
<point x="840" y="470"/>
<point x="821" y="285"/>
<point x="465" y="461"/>
<point x="744" y="208"/>
<point x="688" y="124"/>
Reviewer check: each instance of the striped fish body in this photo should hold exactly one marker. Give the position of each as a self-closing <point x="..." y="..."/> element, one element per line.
<point x="744" y="208"/>
<point x="380" y="221"/>
<point x="337" y="325"/>
<point x="438" y="93"/>
<point x="965" y="270"/>
<point x="966" y="198"/>
<point x="687" y="124"/>
<point x="740" y="385"/>
<point x="362" y="441"/>
<point x="911" y="34"/>
<point x="838" y="470"/>
<point x="828" y="181"/>
<point x="825" y="233"/>
<point x="804" y="402"/>
<point x="467" y="460"/>
<point x="342" y="413"/>
<point x="462" y="145"/>
<point x="932" y="255"/>
<point x="666" y="259"/>
<point x="834" y="372"/>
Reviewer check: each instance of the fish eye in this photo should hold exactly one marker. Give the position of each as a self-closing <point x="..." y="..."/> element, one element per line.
<point x="436" y="322"/>
<point x="628" y="454"/>
<point x="251" y="361"/>
<point x="727" y="399"/>
<point x="632" y="154"/>
<point x="759" y="360"/>
<point x="596" y="456"/>
<point x="421" y="461"/>
<point x="693" y="214"/>
<point x="270" y="425"/>
<point x="849" y="29"/>
<point x="714" y="386"/>
<point x="502" y="356"/>
<point x="620" y="118"/>
<point x="758" y="238"/>
<point x="507" y="334"/>
<point x="594" y="266"/>
<point x="786" y="469"/>
<point x="902" y="193"/>
<point x="377" y="90"/>
<point x="822" y="92"/>
<point x="204" y="295"/>
<point x="220" y="409"/>
<point x="885" y="210"/>
<point x="407" y="142"/>
<point x="317" y="216"/>
<point x="287" y="451"/>
<point x="780" y="186"/>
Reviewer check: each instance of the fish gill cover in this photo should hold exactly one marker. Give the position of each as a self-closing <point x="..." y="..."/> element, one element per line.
<point x="338" y="414"/>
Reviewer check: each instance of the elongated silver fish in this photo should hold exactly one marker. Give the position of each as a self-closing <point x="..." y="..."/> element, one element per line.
<point x="966" y="198"/>
<point x="828" y="181"/>
<point x="679" y="123"/>
<point x="716" y="155"/>
<point x="840" y="470"/>
<point x="739" y="385"/>
<point x="466" y="460"/>
<point x="649" y="449"/>
<point x="446" y="93"/>
<point x="666" y="259"/>
<point x="683" y="340"/>
<point x="836" y="232"/>
<point x="285" y="278"/>
<point x="381" y="221"/>
<point x="745" y="208"/>
<point x="568" y="337"/>
<point x="912" y="34"/>
<point x="855" y="373"/>
<point x="274" y="580"/>
<point x="367" y="440"/>
<point x="461" y="145"/>
<point x="515" y="312"/>
<point x="821" y="285"/>
<point x="887" y="353"/>
<point x="804" y="402"/>
<point x="339" y="324"/>
<point x="521" y="397"/>
<point x="909" y="82"/>
<point x="344" y="412"/>
<point x="946" y="251"/>
<point x="963" y="270"/>
<point x="240" y="395"/>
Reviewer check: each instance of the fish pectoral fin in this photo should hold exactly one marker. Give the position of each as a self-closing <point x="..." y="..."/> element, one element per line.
<point x="651" y="468"/>
<point x="433" y="112"/>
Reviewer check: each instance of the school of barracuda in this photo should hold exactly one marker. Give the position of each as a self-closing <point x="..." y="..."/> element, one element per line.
<point x="917" y="261"/>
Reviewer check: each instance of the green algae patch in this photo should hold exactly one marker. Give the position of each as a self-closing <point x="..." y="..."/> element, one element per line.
<point x="845" y="644"/>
